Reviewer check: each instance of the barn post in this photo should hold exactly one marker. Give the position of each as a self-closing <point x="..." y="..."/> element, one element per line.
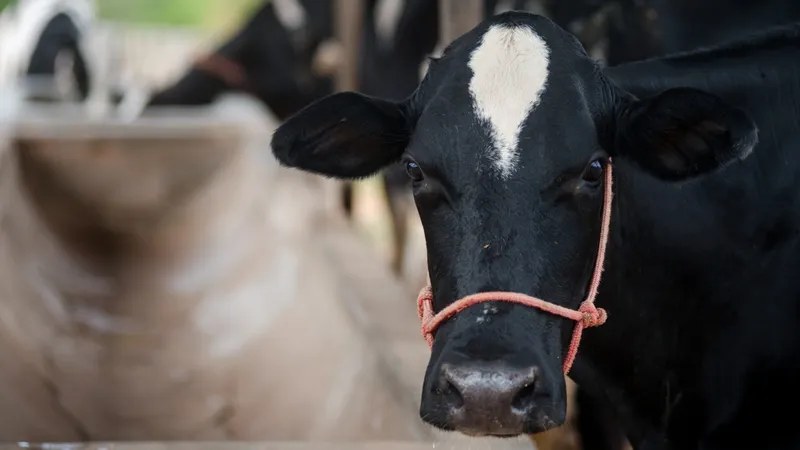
<point x="347" y="27"/>
<point x="456" y="17"/>
<point x="347" y="24"/>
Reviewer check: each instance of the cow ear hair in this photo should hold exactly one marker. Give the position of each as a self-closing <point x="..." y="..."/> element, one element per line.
<point x="344" y="135"/>
<point x="682" y="133"/>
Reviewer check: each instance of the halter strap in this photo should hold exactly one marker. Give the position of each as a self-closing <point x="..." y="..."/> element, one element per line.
<point x="225" y="69"/>
<point x="587" y="315"/>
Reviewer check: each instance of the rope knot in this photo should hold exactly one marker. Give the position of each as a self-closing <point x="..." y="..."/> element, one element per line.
<point x="592" y="316"/>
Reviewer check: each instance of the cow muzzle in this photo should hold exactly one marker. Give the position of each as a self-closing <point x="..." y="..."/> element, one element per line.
<point x="489" y="398"/>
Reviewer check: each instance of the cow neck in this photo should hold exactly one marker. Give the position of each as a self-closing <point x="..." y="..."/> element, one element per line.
<point x="587" y="315"/>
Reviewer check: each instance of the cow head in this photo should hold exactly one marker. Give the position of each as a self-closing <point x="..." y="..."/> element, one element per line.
<point x="284" y="63"/>
<point x="506" y="141"/>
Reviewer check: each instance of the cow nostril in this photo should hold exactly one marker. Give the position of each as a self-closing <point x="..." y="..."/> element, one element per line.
<point x="525" y="398"/>
<point x="447" y="390"/>
<point x="527" y="390"/>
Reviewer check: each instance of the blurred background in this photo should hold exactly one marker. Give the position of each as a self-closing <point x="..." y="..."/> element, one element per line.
<point x="210" y="15"/>
<point x="163" y="279"/>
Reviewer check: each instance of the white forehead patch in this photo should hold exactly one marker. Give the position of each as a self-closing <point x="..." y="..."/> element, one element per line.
<point x="509" y="73"/>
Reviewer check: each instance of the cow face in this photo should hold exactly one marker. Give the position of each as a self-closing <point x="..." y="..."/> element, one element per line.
<point x="277" y="52"/>
<point x="506" y="141"/>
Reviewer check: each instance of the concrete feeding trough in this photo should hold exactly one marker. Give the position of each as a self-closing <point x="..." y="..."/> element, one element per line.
<point x="162" y="279"/>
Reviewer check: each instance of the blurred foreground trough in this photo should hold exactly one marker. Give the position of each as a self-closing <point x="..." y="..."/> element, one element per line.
<point x="228" y="446"/>
<point x="164" y="280"/>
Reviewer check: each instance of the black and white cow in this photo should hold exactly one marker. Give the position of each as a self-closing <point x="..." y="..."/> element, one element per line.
<point x="46" y="39"/>
<point x="507" y="141"/>
<point x="61" y="38"/>
<point x="270" y="57"/>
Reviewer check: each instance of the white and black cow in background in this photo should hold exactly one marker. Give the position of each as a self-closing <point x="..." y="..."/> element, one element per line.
<point x="46" y="38"/>
<point x="509" y="141"/>
<point x="272" y="57"/>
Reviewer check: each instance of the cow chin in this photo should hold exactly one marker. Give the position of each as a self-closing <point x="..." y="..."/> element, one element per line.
<point x="492" y="380"/>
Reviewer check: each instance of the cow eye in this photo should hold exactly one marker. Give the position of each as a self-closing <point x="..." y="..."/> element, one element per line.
<point x="413" y="171"/>
<point x="594" y="172"/>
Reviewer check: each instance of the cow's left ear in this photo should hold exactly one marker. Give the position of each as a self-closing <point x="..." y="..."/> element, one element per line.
<point x="683" y="132"/>
<point x="345" y="135"/>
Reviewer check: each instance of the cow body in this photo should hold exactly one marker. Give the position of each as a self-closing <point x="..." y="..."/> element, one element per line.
<point x="724" y="354"/>
<point x="507" y="140"/>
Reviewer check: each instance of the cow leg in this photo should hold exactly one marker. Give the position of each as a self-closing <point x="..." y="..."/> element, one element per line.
<point x="399" y="211"/>
<point x="395" y="184"/>
<point x="347" y="198"/>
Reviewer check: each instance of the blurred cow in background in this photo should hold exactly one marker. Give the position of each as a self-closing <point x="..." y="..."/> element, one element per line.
<point x="272" y="57"/>
<point x="46" y="38"/>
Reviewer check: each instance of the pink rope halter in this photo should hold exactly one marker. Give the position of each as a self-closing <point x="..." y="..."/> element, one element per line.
<point x="587" y="315"/>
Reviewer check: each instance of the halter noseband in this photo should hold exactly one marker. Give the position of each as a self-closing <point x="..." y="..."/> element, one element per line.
<point x="587" y="315"/>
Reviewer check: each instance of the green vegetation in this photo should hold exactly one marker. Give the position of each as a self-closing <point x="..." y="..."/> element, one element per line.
<point x="208" y="14"/>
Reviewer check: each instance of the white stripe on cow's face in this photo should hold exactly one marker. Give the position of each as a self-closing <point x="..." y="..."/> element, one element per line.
<point x="290" y="13"/>
<point x="509" y="73"/>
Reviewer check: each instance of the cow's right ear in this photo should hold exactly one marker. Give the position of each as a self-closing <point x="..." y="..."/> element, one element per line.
<point x="681" y="133"/>
<point x="344" y="135"/>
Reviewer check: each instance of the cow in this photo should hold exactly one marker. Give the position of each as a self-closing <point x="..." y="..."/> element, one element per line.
<point x="528" y="160"/>
<point x="271" y="57"/>
<point x="46" y="39"/>
<point x="61" y="37"/>
<point x="397" y="38"/>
